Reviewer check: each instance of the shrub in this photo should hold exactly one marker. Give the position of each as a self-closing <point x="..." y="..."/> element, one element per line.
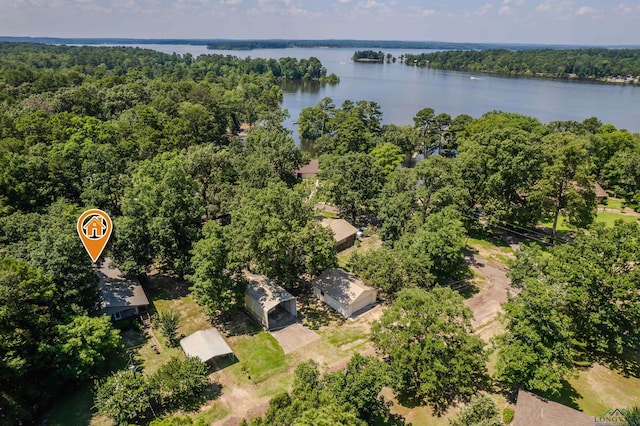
<point x="169" y="326"/>
<point x="507" y="415"/>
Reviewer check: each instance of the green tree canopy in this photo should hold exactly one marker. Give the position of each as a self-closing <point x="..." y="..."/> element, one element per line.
<point x="213" y="285"/>
<point x="434" y="358"/>
<point x="352" y="182"/>
<point x="162" y="216"/>
<point x="273" y="232"/>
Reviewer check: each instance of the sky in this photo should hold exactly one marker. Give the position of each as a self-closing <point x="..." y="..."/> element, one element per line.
<point x="518" y="21"/>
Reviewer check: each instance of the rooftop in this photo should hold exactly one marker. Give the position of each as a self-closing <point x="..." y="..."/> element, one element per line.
<point x="205" y="345"/>
<point x="118" y="291"/>
<point x="309" y="169"/>
<point x="340" y="227"/>
<point x="340" y="285"/>
<point x="532" y="409"/>
<point x="600" y="193"/>
<point x="266" y="291"/>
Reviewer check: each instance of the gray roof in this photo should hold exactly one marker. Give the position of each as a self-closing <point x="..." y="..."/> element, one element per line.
<point x="205" y="345"/>
<point x="118" y="291"/>
<point x="340" y="227"/>
<point x="265" y="291"/>
<point x="532" y="409"/>
<point x="341" y="286"/>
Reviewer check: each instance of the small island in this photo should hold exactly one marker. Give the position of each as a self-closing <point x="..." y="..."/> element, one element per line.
<point x="368" y="56"/>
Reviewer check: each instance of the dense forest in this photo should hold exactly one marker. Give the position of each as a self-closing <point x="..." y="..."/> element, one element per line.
<point x="155" y="141"/>
<point x="621" y="65"/>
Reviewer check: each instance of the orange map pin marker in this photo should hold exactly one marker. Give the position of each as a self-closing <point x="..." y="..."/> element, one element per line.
<point x="94" y="228"/>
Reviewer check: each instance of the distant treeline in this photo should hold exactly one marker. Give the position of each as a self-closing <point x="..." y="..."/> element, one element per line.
<point x="47" y="67"/>
<point x="372" y="44"/>
<point x="229" y="44"/>
<point x="595" y="63"/>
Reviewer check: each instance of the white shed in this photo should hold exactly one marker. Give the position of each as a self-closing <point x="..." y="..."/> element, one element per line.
<point x="343" y="292"/>
<point x="205" y="345"/>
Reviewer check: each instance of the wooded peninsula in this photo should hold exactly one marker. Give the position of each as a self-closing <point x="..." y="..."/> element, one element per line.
<point x="595" y="64"/>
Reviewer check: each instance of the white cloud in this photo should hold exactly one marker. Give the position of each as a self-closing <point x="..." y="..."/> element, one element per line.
<point x="505" y="10"/>
<point x="427" y="12"/>
<point x="230" y="2"/>
<point x="585" y="10"/>
<point x="344" y="1"/>
<point x="624" y="9"/>
<point x="543" y="7"/>
<point x="484" y="10"/>
<point x="517" y="2"/>
<point x="559" y="9"/>
<point x="370" y="4"/>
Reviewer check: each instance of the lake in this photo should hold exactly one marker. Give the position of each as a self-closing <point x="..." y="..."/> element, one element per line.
<point x="403" y="90"/>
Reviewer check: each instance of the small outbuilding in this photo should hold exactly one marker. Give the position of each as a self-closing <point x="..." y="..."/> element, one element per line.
<point x="206" y="345"/>
<point x="269" y="303"/>
<point x="343" y="292"/>
<point x="309" y="170"/>
<point x="601" y="194"/>
<point x="344" y="233"/>
<point x="121" y="297"/>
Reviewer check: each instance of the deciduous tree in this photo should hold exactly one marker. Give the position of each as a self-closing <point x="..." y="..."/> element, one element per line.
<point x="434" y="357"/>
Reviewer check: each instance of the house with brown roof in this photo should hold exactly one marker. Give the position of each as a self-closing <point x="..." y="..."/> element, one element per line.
<point x="343" y="292"/>
<point x="532" y="409"/>
<point x="344" y="233"/>
<point x="308" y="170"/>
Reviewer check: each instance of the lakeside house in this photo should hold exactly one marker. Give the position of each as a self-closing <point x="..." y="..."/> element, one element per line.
<point x="601" y="194"/>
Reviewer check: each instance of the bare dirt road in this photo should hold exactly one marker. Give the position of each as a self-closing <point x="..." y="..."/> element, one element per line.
<point x="486" y="303"/>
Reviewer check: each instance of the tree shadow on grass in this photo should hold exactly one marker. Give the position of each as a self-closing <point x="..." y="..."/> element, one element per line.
<point x="627" y="364"/>
<point x="236" y="323"/>
<point x="164" y="286"/>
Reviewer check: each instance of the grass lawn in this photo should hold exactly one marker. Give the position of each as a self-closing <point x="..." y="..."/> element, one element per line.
<point x="610" y="218"/>
<point x="607" y="218"/>
<point x="210" y="414"/>
<point x="612" y="203"/>
<point x="491" y="249"/>
<point x="260" y="353"/>
<point x="598" y="388"/>
<point x="339" y="336"/>
<point x="367" y="243"/>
